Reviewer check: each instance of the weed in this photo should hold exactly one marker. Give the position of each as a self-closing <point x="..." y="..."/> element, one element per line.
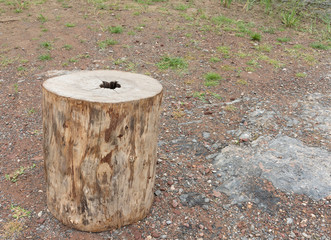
<point x="290" y="19"/>
<point x="21" y="69"/>
<point x="67" y="47"/>
<point x="319" y="46"/>
<point x="214" y="59"/>
<point x="253" y="62"/>
<point x="106" y="43"/>
<point x="116" y="29"/>
<point x="263" y="48"/>
<point x="172" y="62"/>
<point x="16" y="88"/>
<point x="212" y="79"/>
<point x="224" y="50"/>
<point x="222" y="20"/>
<point x="242" y="82"/>
<point x="181" y="7"/>
<point x="243" y="54"/>
<point x="215" y="95"/>
<point x="131" y="33"/>
<point x="298" y="46"/>
<point x="200" y="95"/>
<point x="69" y="25"/>
<point x="282" y="40"/>
<point x="178" y="113"/>
<point x="41" y="18"/>
<point x="19" y="212"/>
<point x="45" y="57"/>
<point x="301" y="75"/>
<point x="13" y="176"/>
<point x="12" y="228"/>
<point x="31" y="111"/>
<point x="226" y="3"/>
<point x="230" y="108"/>
<point x="268" y="30"/>
<point x="47" y="45"/>
<point x="256" y="36"/>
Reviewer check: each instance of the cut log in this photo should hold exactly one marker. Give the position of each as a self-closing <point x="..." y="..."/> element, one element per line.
<point x="100" y="140"/>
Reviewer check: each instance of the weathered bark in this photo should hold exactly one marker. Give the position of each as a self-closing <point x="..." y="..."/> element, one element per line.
<point x="100" y="148"/>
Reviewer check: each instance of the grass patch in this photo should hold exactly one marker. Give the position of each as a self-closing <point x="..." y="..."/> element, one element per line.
<point x="256" y="36"/>
<point x="46" y="45"/>
<point x="212" y="79"/>
<point x="116" y="29"/>
<point x="320" y="46"/>
<point x="282" y="40"/>
<point x="41" y="18"/>
<point x="106" y="43"/>
<point x="69" y="25"/>
<point x="45" y="57"/>
<point x="172" y="62"/>
<point x="67" y="47"/>
<point x="301" y="75"/>
<point x="214" y="59"/>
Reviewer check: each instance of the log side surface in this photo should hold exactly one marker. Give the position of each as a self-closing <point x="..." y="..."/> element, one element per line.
<point x="100" y="148"/>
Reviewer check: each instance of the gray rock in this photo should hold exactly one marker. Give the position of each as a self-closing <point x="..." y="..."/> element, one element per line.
<point x="288" y="163"/>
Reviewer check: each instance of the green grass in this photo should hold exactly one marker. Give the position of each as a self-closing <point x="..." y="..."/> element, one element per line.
<point x="41" y="18"/>
<point x="46" y="45"/>
<point x="282" y="40"/>
<point x="290" y="19"/>
<point x="320" y="46"/>
<point x="256" y="36"/>
<point x="67" y="47"/>
<point x="212" y="79"/>
<point x="45" y="57"/>
<point x="214" y="59"/>
<point x="115" y="29"/>
<point x="172" y="62"/>
<point x="181" y="7"/>
<point x="106" y="43"/>
<point x="301" y="75"/>
<point x="70" y="25"/>
<point x="264" y="48"/>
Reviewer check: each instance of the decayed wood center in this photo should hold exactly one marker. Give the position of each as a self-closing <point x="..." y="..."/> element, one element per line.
<point x="100" y="147"/>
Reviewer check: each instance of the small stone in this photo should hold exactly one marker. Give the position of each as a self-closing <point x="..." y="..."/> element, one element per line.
<point x="205" y="135"/>
<point x="289" y="220"/>
<point x="40" y="221"/>
<point x="40" y="213"/>
<point x="174" y="203"/>
<point x="163" y="236"/>
<point x="205" y="207"/>
<point x="156" y="234"/>
<point x="245" y="137"/>
<point x="306" y="235"/>
<point x="157" y="193"/>
<point x="168" y="222"/>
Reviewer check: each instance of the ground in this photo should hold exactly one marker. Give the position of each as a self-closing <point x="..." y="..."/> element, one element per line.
<point x="230" y="76"/>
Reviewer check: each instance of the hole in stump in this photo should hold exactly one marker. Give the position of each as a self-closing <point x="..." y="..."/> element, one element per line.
<point x="110" y="85"/>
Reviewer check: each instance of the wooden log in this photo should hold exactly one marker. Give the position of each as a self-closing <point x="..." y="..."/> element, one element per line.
<point x="100" y="140"/>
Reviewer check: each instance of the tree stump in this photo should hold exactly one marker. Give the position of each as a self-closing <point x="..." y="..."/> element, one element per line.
<point x="100" y="140"/>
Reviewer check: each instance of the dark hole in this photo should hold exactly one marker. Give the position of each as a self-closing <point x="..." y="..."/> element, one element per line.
<point x="110" y="85"/>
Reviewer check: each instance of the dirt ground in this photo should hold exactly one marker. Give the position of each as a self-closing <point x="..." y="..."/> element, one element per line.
<point x="208" y="58"/>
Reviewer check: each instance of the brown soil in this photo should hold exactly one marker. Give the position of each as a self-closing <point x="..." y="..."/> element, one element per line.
<point x="70" y="33"/>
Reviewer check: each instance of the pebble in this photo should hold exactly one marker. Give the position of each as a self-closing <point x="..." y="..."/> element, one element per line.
<point x="157" y="193"/>
<point x="40" y="214"/>
<point x="163" y="236"/>
<point x="206" y="135"/>
<point x="289" y="220"/>
<point x="168" y="222"/>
